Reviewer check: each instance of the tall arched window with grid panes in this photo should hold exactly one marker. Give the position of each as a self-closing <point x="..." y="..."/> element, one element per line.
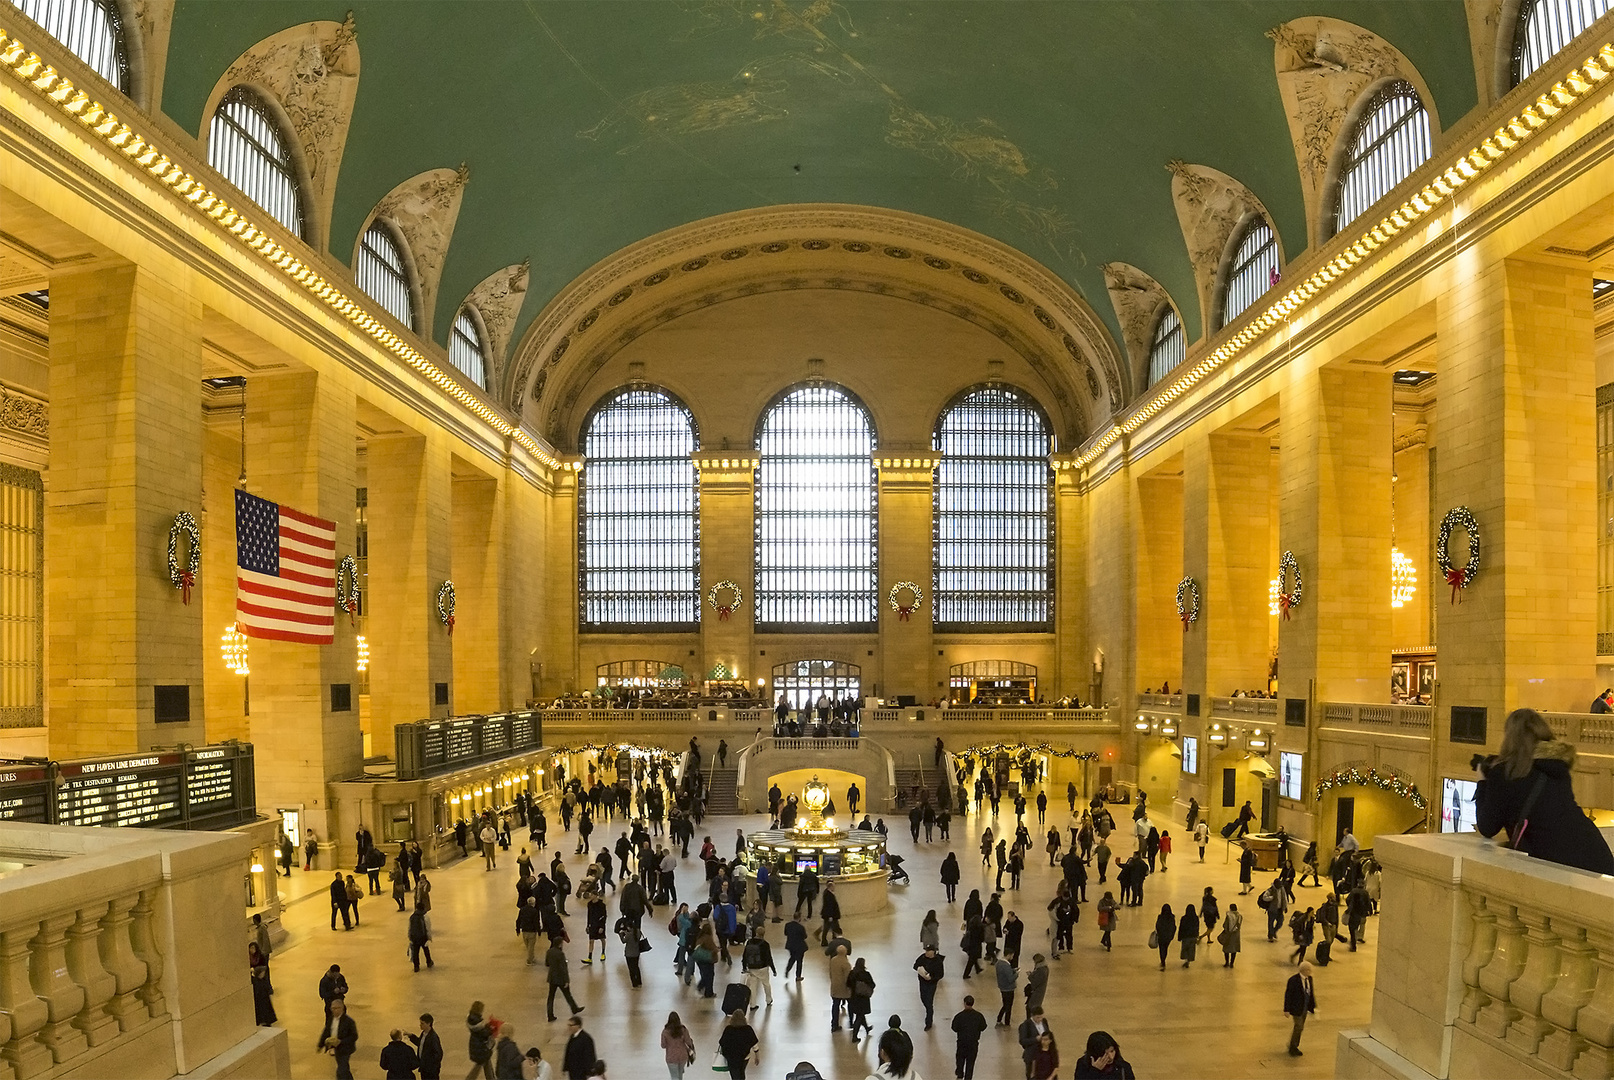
<point x="465" y="349"/>
<point x="92" y="30"/>
<point x="1167" y="346"/>
<point x="247" y="146"/>
<point x="815" y="513"/>
<point x="1389" y="141"/>
<point x="992" y="567"/>
<point x="1544" y="27"/>
<point x="639" y="515"/>
<point x="382" y="273"/>
<point x="1251" y="270"/>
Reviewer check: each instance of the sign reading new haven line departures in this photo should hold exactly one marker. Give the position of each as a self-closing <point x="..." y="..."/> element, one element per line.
<point x="210" y="787"/>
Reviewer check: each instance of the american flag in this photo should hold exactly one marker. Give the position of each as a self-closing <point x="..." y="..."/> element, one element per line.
<point x="285" y="581"/>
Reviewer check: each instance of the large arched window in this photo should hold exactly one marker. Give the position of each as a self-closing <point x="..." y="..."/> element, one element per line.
<point x="993" y="519"/>
<point x="1546" y="26"/>
<point x="1168" y="346"/>
<point x="639" y="515"/>
<point x="381" y="273"/>
<point x="803" y="682"/>
<point x="1389" y="142"/>
<point x="1252" y="269"/>
<point x="815" y="506"/>
<point x="92" y="30"/>
<point x="246" y="145"/>
<point x="465" y="348"/>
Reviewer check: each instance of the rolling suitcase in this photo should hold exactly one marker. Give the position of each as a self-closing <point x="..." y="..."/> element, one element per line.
<point x="736" y="998"/>
<point x="1323" y="949"/>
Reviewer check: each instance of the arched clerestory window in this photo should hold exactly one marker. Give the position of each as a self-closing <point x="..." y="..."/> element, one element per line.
<point x="465" y="348"/>
<point x="815" y="513"/>
<point x="639" y="515"/>
<point x="1167" y="346"/>
<point x="247" y="146"/>
<point x="1389" y="141"/>
<point x="91" y="30"/>
<point x="1546" y="26"/>
<point x="1252" y="268"/>
<point x="992" y="567"/>
<point x="382" y="273"/>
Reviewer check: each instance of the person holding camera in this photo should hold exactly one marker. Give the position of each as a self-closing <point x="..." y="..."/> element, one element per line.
<point x="1525" y="789"/>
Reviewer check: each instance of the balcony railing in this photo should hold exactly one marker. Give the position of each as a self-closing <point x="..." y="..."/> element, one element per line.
<point x="1261" y="708"/>
<point x="1401" y="719"/>
<point x="1595" y="730"/>
<point x="1490" y="963"/>
<point x="1168" y="702"/>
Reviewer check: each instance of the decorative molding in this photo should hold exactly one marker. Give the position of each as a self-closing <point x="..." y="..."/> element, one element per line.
<point x="879" y="250"/>
<point x="1324" y="66"/>
<point x="1137" y="299"/>
<point x="424" y="209"/>
<point x="1418" y="436"/>
<point x="1490" y="47"/>
<point x="498" y="299"/>
<point x="152" y="20"/>
<point x="1211" y="207"/>
<point x="312" y="72"/>
<point x="23" y="415"/>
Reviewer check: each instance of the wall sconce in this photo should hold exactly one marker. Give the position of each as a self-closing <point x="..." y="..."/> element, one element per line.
<point x="364" y="652"/>
<point x="1142" y="724"/>
<point x="1217" y="734"/>
<point x="233" y="646"/>
<point x="1168" y="729"/>
<point x="257" y="868"/>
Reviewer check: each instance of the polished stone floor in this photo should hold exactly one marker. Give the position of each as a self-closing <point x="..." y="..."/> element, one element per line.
<point x="1204" y="1022"/>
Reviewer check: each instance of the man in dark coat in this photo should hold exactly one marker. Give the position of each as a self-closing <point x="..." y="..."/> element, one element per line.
<point x="430" y="1048"/>
<point x="332" y="985"/>
<point x="398" y="1059"/>
<point x="968" y="1025"/>
<point x="830" y="912"/>
<point x="339" y="903"/>
<point x="578" y="1061"/>
<point x="339" y="1038"/>
<point x="1299" y="1002"/>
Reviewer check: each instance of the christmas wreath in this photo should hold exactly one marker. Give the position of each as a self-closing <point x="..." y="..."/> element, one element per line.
<point x="905" y="610"/>
<point x="347" y="586"/>
<point x="1458" y="577"/>
<point x="725" y="610"/>
<point x="1288" y="597"/>
<point x="184" y="579"/>
<point x="1187" y="601"/>
<point x="445" y="606"/>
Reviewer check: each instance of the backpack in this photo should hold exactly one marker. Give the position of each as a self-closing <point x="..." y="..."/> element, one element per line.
<point x="752" y="957"/>
<point x="1264" y="901"/>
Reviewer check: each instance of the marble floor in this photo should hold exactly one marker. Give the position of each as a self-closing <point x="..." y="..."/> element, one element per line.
<point x="1202" y="1022"/>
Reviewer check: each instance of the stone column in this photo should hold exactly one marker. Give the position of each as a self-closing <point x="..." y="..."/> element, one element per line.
<point x="411" y="651"/>
<point x="728" y="553"/>
<point x="479" y="560"/>
<point x="1226" y="523"/>
<point x="125" y="457"/>
<point x="300" y="454"/>
<point x="1072" y="673"/>
<point x="907" y="548"/>
<point x="1516" y="443"/>
<point x="1160" y="563"/>
<point x="1334" y="468"/>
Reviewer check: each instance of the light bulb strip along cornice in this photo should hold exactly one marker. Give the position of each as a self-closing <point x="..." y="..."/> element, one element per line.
<point x="1502" y="143"/>
<point x="101" y="122"/>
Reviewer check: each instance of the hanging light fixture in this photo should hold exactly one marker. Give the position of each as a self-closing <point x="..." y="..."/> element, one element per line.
<point x="233" y="647"/>
<point x="363" y="644"/>
<point x="1272" y="596"/>
<point x="1403" y="578"/>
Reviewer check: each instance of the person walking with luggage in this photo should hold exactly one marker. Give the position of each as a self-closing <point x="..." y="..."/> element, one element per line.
<point x="968" y="1026"/>
<point x="1165" y="931"/>
<point x="678" y="1046"/>
<point x="738" y="1044"/>
<point x="1299" y="1002"/>
<point x="1108" y="909"/>
<point x="860" y="987"/>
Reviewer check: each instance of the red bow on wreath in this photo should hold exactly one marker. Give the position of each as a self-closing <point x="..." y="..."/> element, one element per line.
<point x="449" y="622"/>
<point x="724" y="611"/>
<point x="1285" y="602"/>
<point x="1187" y="617"/>
<point x="351" y="607"/>
<point x="1456" y="577"/>
<point x="903" y="613"/>
<point x="186" y="580"/>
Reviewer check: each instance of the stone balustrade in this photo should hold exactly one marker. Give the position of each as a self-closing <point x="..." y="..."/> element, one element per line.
<point x="121" y="954"/>
<point x="1165" y="702"/>
<point x="1594" y="731"/>
<point x="1490" y="963"/>
<point x="1258" y="708"/>
<point x="762" y="746"/>
<point x="1403" y="719"/>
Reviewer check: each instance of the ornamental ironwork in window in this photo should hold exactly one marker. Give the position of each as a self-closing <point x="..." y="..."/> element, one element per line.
<point x="803" y="682"/>
<point x="1169" y="346"/>
<point x="381" y="274"/>
<point x="1390" y="141"/>
<point x="639" y="515"/>
<point x="993" y="519"/>
<point x="91" y="30"/>
<point x="245" y="144"/>
<point x="1546" y="26"/>
<point x="1252" y="270"/>
<point x="465" y="350"/>
<point x="815" y="513"/>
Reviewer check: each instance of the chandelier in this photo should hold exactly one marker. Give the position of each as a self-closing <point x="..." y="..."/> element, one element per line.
<point x="364" y="652"/>
<point x="1403" y="578"/>
<point x="1272" y="596"/>
<point x="233" y="646"/>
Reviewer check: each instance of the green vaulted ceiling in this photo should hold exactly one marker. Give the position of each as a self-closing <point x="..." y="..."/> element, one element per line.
<point x="590" y="125"/>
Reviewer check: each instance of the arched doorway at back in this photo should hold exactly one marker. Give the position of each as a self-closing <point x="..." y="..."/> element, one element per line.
<point x="1236" y="777"/>
<point x="1159" y="768"/>
<point x="1370" y="800"/>
<point x="993" y="682"/>
<point x="802" y="682"/>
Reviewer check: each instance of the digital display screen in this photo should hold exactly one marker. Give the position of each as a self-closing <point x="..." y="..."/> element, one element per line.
<point x="1289" y="773"/>
<point x="1190" y="754"/>
<point x="1457" y="805"/>
<point x="806" y="862"/>
<point x="211" y="785"/>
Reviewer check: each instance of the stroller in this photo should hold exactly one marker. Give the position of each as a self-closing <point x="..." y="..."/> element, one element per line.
<point x="897" y="873"/>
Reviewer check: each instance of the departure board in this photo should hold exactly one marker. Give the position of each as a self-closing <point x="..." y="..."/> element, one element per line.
<point x="523" y="730"/>
<point x="210" y="784"/>
<point x="145" y="790"/>
<point x="24" y="794"/>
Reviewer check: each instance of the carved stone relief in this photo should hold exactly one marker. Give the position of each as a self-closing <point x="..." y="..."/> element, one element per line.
<point x="1137" y="299"/>
<point x="1484" y="41"/>
<point x="424" y="209"/>
<point x="150" y="21"/>
<point x="1323" y="67"/>
<point x="312" y="70"/>
<point x="24" y="415"/>
<point x="1210" y="206"/>
<point x="498" y="299"/>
